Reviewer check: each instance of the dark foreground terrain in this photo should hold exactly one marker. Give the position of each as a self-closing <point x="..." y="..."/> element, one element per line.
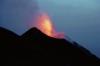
<point x="36" y="49"/>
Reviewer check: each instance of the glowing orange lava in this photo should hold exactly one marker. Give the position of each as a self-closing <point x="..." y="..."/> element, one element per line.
<point x="45" y="25"/>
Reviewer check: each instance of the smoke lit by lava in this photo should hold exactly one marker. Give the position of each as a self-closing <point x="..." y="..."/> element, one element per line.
<point x="45" y="25"/>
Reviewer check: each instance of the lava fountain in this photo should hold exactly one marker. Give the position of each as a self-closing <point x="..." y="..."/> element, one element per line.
<point x="45" y="25"/>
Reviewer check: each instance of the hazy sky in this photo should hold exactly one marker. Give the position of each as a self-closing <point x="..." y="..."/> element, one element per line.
<point x="79" y="19"/>
<point x="17" y="15"/>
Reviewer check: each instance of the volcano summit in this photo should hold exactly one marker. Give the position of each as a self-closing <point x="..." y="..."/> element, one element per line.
<point x="35" y="48"/>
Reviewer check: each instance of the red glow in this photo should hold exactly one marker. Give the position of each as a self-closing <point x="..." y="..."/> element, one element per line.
<point x="45" y="25"/>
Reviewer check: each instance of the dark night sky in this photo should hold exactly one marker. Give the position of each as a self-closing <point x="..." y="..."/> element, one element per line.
<point x="79" y="19"/>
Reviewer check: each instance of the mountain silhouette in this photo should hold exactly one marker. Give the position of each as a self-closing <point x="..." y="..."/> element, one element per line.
<point x="34" y="48"/>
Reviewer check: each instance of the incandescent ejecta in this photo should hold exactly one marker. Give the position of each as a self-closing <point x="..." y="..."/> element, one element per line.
<point x="45" y="24"/>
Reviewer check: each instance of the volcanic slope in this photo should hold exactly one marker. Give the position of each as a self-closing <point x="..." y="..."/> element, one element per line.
<point x="34" y="48"/>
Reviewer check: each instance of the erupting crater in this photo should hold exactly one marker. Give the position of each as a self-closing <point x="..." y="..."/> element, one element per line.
<point x="45" y="24"/>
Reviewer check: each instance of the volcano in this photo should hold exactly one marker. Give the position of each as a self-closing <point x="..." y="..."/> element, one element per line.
<point x="34" y="48"/>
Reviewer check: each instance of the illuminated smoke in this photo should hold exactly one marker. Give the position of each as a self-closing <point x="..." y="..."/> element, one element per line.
<point x="44" y="23"/>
